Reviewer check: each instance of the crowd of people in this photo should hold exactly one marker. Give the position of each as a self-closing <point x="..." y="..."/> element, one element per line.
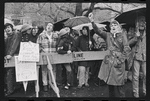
<point x="126" y="52"/>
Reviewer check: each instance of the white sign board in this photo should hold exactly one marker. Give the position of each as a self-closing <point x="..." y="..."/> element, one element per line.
<point x="29" y="52"/>
<point x="25" y="71"/>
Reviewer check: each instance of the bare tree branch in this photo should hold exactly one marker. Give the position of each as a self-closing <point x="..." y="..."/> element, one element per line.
<point x="40" y="8"/>
<point x="65" y="9"/>
<point x="90" y="9"/>
<point x="47" y="15"/>
<point x="68" y="11"/>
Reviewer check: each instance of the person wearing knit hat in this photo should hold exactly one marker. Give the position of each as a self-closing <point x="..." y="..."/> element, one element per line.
<point x="25" y="27"/>
<point x="64" y="31"/>
<point x="26" y="33"/>
<point x="66" y="45"/>
<point x="112" y="70"/>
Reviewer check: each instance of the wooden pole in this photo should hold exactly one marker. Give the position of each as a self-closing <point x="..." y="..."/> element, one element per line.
<point x="53" y="84"/>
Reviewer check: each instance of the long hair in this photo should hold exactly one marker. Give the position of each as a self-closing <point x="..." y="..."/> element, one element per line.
<point x="87" y="28"/>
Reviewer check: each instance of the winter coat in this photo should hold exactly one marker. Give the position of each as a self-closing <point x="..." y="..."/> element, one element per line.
<point x="12" y="44"/>
<point x="113" y="66"/>
<point x="139" y="44"/>
<point x="66" y="43"/>
<point x="83" y="45"/>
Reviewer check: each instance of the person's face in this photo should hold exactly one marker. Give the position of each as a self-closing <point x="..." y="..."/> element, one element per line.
<point x="34" y="30"/>
<point x="84" y="31"/>
<point x="49" y="27"/>
<point x="142" y="23"/>
<point x="29" y="31"/>
<point x="131" y="31"/>
<point x="114" y="27"/>
<point x="8" y="30"/>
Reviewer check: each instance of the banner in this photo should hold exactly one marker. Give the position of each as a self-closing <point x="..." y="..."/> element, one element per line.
<point x="25" y="71"/>
<point x="29" y="51"/>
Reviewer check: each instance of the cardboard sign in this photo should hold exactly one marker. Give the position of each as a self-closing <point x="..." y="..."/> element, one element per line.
<point x="25" y="71"/>
<point x="29" y="52"/>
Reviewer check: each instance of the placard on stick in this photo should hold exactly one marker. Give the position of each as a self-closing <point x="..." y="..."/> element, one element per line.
<point x="29" y="51"/>
<point x="25" y="71"/>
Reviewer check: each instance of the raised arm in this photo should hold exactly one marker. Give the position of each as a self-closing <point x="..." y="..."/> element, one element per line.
<point x="99" y="32"/>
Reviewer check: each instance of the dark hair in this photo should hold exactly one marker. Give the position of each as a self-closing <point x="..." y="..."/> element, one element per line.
<point x="41" y="28"/>
<point x="87" y="28"/>
<point x="8" y="24"/>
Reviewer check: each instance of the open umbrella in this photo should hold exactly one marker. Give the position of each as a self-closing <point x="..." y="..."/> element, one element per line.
<point x="130" y="16"/>
<point x="18" y="27"/>
<point x="59" y="25"/>
<point x="79" y="27"/>
<point x="75" y="21"/>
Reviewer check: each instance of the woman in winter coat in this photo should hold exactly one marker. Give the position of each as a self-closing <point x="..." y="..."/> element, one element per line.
<point x="84" y="43"/>
<point x="113" y="66"/>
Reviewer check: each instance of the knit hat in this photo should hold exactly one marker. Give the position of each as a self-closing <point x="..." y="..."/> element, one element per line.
<point x="8" y="24"/>
<point x="25" y="27"/>
<point x="63" y="31"/>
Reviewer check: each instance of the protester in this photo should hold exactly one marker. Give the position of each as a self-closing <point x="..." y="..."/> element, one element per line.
<point x="11" y="45"/>
<point x="47" y="42"/>
<point x="113" y="66"/>
<point x="66" y="45"/>
<point x="34" y="34"/>
<point x="140" y="55"/>
<point x="84" y="43"/>
<point x="26" y="33"/>
<point x="129" y="63"/>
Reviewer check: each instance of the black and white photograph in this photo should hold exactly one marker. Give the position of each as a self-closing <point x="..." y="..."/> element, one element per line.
<point x="74" y="50"/>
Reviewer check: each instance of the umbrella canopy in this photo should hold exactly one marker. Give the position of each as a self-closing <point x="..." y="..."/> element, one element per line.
<point x="75" y="21"/>
<point x="130" y="16"/>
<point x="8" y="21"/>
<point x="79" y="27"/>
<point x="18" y="27"/>
<point x="59" y="25"/>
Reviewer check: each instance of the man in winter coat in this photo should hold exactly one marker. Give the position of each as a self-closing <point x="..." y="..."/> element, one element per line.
<point x="11" y="45"/>
<point x="140" y="56"/>
<point x="113" y="66"/>
<point x="66" y="45"/>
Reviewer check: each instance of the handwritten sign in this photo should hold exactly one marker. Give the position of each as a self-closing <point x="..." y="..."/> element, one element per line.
<point x="29" y="52"/>
<point x="25" y="71"/>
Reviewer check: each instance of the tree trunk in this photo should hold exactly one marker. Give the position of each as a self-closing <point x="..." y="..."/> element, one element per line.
<point x="78" y="11"/>
<point x="90" y="9"/>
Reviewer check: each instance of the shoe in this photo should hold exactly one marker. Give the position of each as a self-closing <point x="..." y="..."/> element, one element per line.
<point x="135" y="95"/>
<point x="66" y="87"/>
<point x="68" y="84"/>
<point x="144" y="94"/>
<point x="58" y="84"/>
<point x="86" y="85"/>
<point x="45" y="88"/>
<point x="79" y="86"/>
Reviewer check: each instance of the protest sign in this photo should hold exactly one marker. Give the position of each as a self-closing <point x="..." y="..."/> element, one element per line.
<point x="25" y="71"/>
<point x="29" y="52"/>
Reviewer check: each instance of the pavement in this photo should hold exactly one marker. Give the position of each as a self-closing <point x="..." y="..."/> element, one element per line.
<point x="91" y="91"/>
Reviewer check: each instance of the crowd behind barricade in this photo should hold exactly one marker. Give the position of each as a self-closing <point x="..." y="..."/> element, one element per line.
<point x="127" y="52"/>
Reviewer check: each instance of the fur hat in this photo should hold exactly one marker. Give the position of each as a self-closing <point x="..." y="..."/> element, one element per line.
<point x="25" y="27"/>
